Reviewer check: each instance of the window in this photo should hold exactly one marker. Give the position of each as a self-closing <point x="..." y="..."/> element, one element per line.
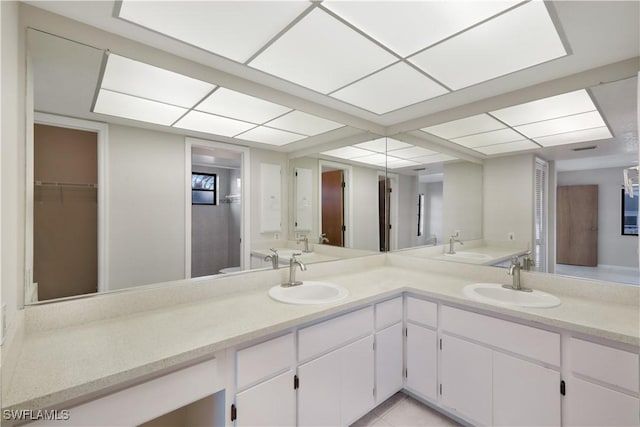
<point x="203" y="189"/>
<point x="540" y="214"/>
<point x="630" y="213"/>
<point x="420" y="214"/>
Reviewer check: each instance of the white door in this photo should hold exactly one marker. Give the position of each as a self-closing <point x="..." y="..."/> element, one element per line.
<point x="388" y="362"/>
<point x="422" y="361"/>
<point x="357" y="375"/>
<point x="318" y="395"/>
<point x="524" y="394"/>
<point x="588" y="404"/>
<point x="466" y="377"/>
<point x="271" y="403"/>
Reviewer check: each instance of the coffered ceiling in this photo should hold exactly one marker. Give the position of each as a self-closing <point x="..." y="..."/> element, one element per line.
<point x="447" y="79"/>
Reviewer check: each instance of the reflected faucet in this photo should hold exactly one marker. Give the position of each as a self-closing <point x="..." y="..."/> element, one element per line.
<point x="454" y="238"/>
<point x="514" y="271"/>
<point x="293" y="263"/>
<point x="274" y="258"/>
<point x="323" y="238"/>
<point x="304" y="239"/>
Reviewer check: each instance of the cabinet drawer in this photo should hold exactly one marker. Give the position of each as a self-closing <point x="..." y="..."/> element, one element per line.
<point x="317" y="339"/>
<point x="422" y="312"/>
<point x="613" y="366"/>
<point x="262" y="360"/>
<point x="525" y="340"/>
<point x="388" y="313"/>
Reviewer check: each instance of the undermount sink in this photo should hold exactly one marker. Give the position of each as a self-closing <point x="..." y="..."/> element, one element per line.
<point x="309" y="293"/>
<point x="468" y="255"/>
<point x="495" y="293"/>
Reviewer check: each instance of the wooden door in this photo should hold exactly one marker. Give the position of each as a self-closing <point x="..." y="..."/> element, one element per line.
<point x="577" y="225"/>
<point x="333" y="207"/>
<point x="65" y="212"/>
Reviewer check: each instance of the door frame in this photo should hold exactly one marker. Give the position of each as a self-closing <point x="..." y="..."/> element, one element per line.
<point x="245" y="199"/>
<point x="348" y="198"/>
<point x="102" y="131"/>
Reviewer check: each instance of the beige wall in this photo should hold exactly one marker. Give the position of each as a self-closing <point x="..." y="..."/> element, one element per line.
<point x="462" y="191"/>
<point x="508" y="198"/>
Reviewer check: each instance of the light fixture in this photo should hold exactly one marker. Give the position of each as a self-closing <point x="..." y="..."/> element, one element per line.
<point x="507" y="147"/>
<point x="132" y="107"/>
<point x="381" y="145"/>
<point x="548" y="108"/>
<point x="209" y="123"/>
<point x="466" y="126"/>
<point x="572" y="123"/>
<point x="411" y="152"/>
<point x="146" y="81"/>
<point x="488" y="138"/>
<point x="303" y="123"/>
<point x="520" y="38"/>
<point x="394" y="87"/>
<point x="573" y="137"/>
<point x="270" y="136"/>
<point x="347" y="153"/>
<point x="321" y="53"/>
<point x="236" y="105"/>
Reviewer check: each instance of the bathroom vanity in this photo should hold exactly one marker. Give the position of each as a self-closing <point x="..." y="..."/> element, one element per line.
<point x="226" y="353"/>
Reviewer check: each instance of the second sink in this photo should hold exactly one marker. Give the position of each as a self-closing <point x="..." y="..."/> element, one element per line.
<point x="309" y="292"/>
<point x="494" y="293"/>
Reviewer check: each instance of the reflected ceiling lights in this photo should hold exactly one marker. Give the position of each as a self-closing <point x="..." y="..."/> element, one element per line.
<point x="354" y="52"/>
<point x="138" y="91"/>
<point x="563" y="119"/>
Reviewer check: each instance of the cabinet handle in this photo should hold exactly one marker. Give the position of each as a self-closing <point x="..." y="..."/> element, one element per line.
<point x="296" y="382"/>
<point x="234" y="412"/>
<point x="563" y="388"/>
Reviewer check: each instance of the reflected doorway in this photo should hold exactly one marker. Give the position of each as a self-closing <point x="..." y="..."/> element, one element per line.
<point x="216" y="211"/>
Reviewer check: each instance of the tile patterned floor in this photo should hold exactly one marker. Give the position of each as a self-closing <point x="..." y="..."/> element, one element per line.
<point x="402" y="410"/>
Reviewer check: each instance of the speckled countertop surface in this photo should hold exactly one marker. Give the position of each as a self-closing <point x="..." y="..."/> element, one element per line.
<point x="63" y="364"/>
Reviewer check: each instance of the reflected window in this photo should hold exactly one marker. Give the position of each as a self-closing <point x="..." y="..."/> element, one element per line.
<point x="203" y="189"/>
<point x="630" y="213"/>
<point x="420" y="214"/>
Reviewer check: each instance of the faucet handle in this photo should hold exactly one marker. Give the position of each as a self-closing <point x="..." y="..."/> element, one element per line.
<point x="275" y="251"/>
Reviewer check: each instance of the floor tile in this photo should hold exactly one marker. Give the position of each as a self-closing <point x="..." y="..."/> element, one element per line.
<point x="388" y="404"/>
<point x="410" y="412"/>
<point x="371" y="420"/>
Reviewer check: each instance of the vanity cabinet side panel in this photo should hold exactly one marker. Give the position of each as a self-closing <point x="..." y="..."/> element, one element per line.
<point x="524" y="394"/>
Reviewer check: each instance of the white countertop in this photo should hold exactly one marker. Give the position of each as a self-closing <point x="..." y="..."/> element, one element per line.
<point x="66" y="363"/>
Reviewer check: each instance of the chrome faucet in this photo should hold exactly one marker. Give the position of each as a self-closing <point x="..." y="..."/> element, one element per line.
<point x="274" y="258"/>
<point x="528" y="262"/>
<point x="293" y="263"/>
<point x="454" y="238"/>
<point x="514" y="271"/>
<point x="304" y="239"/>
<point x="323" y="238"/>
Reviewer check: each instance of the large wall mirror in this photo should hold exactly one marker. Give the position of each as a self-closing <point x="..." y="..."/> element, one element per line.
<point x="177" y="160"/>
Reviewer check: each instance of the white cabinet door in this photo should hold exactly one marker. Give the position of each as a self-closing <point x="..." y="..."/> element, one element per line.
<point x="422" y="361"/>
<point x="388" y="362"/>
<point x="319" y="392"/>
<point x="271" y="403"/>
<point x="589" y="404"/>
<point x="466" y="378"/>
<point x="524" y="394"/>
<point x="356" y="384"/>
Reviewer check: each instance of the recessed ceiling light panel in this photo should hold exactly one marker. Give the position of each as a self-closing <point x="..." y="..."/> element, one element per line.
<point x="518" y="39"/>
<point x="234" y="29"/>
<point x="146" y="81"/>
<point x="390" y="89"/>
<point x="270" y="136"/>
<point x="546" y="108"/>
<point x="347" y="152"/>
<point x="236" y="105"/>
<point x="436" y="158"/>
<point x="488" y="138"/>
<point x="372" y="159"/>
<point x="394" y="163"/>
<point x="411" y="152"/>
<point x="303" y="123"/>
<point x="463" y="127"/>
<point x="423" y="23"/>
<point x="573" y="137"/>
<point x="131" y="107"/>
<point x="321" y="53"/>
<point x="563" y="124"/>
<point x="381" y="145"/>
<point x="507" y="147"/>
<point x="203" y="122"/>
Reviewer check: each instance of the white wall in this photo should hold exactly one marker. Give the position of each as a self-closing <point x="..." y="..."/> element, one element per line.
<point x="508" y="198"/>
<point x="432" y="211"/>
<point x="462" y="191"/>
<point x="145" y="203"/>
<point x="311" y="164"/>
<point x="365" y="209"/>
<point x="613" y="248"/>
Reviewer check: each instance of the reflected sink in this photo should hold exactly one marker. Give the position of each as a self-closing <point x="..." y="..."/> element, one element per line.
<point x="469" y="255"/>
<point x="309" y="293"/>
<point x="288" y="253"/>
<point x="494" y="293"/>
